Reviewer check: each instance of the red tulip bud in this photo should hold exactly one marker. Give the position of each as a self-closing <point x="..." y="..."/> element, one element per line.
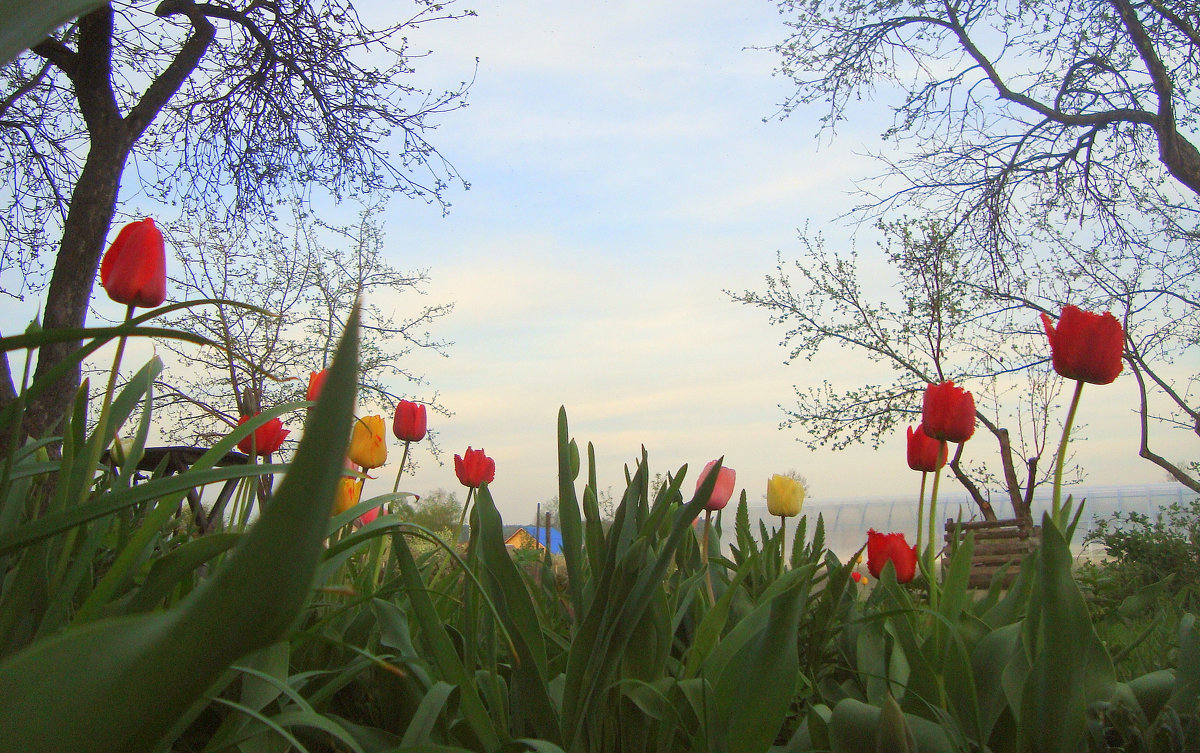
<point x="1086" y="346"/>
<point x="409" y="423"/>
<point x="474" y="467"/>
<point x="948" y="412"/>
<point x="924" y="452"/>
<point x="265" y="439"/>
<point x="883" y="548"/>
<point x="134" y="269"/>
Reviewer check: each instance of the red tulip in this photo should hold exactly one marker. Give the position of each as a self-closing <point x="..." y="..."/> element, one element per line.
<point x="948" y="412"/>
<point x="316" y="383"/>
<point x="883" y="548"/>
<point x="474" y="467"/>
<point x="924" y="452"/>
<point x="265" y="439"/>
<point x="369" y="516"/>
<point x="134" y="269"/>
<point x="1086" y="346"/>
<point x="722" y="490"/>
<point x="409" y="423"/>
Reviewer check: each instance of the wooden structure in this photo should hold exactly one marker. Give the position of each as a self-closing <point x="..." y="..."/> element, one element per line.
<point x="539" y="539"/>
<point x="179" y="459"/>
<point x="522" y="539"/>
<point x="997" y="543"/>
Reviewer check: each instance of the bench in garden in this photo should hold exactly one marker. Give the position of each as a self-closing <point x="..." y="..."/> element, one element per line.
<point x="179" y="459"/>
<point x="997" y="543"/>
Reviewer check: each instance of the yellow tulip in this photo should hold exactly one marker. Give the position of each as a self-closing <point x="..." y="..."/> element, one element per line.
<point x="785" y="496"/>
<point x="348" y="492"/>
<point x="367" y="448"/>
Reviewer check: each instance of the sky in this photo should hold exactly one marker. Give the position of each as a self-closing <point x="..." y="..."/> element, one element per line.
<point x="626" y="170"/>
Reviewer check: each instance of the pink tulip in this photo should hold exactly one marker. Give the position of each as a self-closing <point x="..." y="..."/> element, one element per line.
<point x="722" y="490"/>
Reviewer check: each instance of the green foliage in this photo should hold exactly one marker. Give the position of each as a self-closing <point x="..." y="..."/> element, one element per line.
<point x="121" y="683"/>
<point x="123" y="628"/>
<point x="28" y="22"/>
<point x="1142" y="551"/>
<point x="438" y="511"/>
<point x="1147" y="582"/>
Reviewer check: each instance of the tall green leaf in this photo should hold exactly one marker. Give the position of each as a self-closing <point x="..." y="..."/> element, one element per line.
<point x="1070" y="669"/>
<point x="120" y="684"/>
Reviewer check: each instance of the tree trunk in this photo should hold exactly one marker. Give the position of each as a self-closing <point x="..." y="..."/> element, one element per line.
<point x="93" y="204"/>
<point x="93" y="200"/>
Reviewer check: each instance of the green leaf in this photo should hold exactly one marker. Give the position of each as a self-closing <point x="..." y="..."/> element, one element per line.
<point x="530" y="698"/>
<point x="120" y="684"/>
<point x="424" y="719"/>
<point x="854" y="728"/>
<point x="991" y="657"/>
<point x="27" y="22"/>
<point x="714" y="621"/>
<point x="1186" y="697"/>
<point x="1070" y="669"/>
<point x="441" y="649"/>
<point x="64" y="520"/>
<point x="754" y="690"/>
<point x="168" y="570"/>
<point x="568" y="511"/>
<point x="894" y="736"/>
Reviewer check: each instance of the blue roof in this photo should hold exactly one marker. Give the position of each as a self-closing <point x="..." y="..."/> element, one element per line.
<point x="539" y="533"/>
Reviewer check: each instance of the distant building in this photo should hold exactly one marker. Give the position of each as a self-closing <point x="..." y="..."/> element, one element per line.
<point x="523" y="539"/>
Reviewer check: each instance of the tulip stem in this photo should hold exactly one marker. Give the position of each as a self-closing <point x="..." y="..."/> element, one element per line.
<point x="704" y="556"/>
<point x="463" y="518"/>
<point x="1061" y="459"/>
<point x="782" y="543"/>
<point x="116" y="367"/>
<point x="102" y="422"/>
<point x="403" y="457"/>
<point x="932" y="538"/>
<point x="921" y="511"/>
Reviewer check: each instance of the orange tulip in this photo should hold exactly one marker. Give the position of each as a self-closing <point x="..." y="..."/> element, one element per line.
<point x="316" y="382"/>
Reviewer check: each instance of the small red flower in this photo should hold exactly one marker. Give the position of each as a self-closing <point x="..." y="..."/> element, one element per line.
<point x="316" y="383"/>
<point x="265" y="439"/>
<point x="924" y="452"/>
<point x="409" y="423"/>
<point x="883" y="548"/>
<point x="948" y="412"/>
<point x="1086" y="346"/>
<point x="722" y="490"/>
<point x="858" y="577"/>
<point x="134" y="269"/>
<point x="474" y="467"/>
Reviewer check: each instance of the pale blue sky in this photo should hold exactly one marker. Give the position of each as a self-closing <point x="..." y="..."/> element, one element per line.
<point x="622" y="177"/>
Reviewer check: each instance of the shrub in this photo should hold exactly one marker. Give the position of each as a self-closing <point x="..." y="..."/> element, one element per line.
<point x="1141" y="551"/>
